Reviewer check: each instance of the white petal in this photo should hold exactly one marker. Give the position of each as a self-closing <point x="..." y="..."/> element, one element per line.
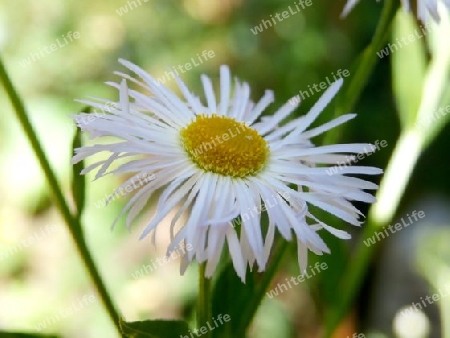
<point x="236" y="253"/>
<point x="209" y="93"/>
<point x="327" y="126"/>
<point x="225" y="84"/>
<point x="278" y="117"/>
<point x="314" y="112"/>
<point x="262" y="104"/>
<point x="348" y="7"/>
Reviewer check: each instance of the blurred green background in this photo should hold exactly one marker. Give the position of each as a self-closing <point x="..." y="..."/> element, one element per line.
<point x="41" y="279"/>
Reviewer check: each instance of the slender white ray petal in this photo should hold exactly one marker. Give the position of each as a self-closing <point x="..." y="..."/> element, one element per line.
<point x="327" y="126"/>
<point x="425" y="8"/>
<point x="279" y="116"/>
<point x="209" y="93"/>
<point x="262" y="104"/>
<point x="318" y="107"/>
<point x="302" y="253"/>
<point x="225" y="89"/>
<point x="192" y="100"/>
<point x="222" y="207"/>
<point x="348" y="7"/>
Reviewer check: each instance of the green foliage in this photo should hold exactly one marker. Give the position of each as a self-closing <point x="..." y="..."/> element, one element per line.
<point x="287" y="57"/>
<point x="409" y="66"/>
<point x="241" y="301"/>
<point x="5" y="334"/>
<point x="231" y="296"/>
<point x="155" y="329"/>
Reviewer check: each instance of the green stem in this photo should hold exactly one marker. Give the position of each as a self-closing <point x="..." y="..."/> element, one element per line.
<point x="355" y="272"/>
<point x="445" y="315"/>
<point x="72" y="222"/>
<point x="249" y="309"/>
<point x="351" y="282"/>
<point x="392" y="188"/>
<point x="407" y="150"/>
<point x="352" y="91"/>
<point x="204" y="306"/>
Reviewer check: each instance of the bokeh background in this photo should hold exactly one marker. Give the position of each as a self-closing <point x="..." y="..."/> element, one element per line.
<point x="41" y="279"/>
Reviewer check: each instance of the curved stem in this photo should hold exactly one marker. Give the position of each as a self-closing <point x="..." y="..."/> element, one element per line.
<point x="445" y="314"/>
<point x="407" y="150"/>
<point x="354" y="274"/>
<point x="204" y="309"/>
<point x="392" y="187"/>
<point x="72" y="222"/>
<point x="352" y="91"/>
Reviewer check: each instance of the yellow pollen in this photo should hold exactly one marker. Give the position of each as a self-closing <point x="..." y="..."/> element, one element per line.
<point x="224" y="146"/>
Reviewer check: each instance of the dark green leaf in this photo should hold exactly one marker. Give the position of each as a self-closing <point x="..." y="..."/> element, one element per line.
<point x="4" y="334"/>
<point x="229" y="297"/>
<point x="241" y="301"/>
<point x="156" y="329"/>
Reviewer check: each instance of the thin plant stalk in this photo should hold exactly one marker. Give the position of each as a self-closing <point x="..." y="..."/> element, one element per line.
<point x="204" y="306"/>
<point x="73" y="223"/>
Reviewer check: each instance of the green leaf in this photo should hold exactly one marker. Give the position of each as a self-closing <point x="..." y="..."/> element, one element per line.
<point x="241" y="301"/>
<point x="328" y="280"/>
<point x="155" y="329"/>
<point x="409" y="65"/>
<point x="434" y="110"/>
<point x="360" y="72"/>
<point x="436" y="121"/>
<point x="229" y="297"/>
<point x="4" y="334"/>
<point x="78" y="181"/>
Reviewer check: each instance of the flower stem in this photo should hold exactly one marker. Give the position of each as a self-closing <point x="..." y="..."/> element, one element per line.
<point x="72" y="222"/>
<point x="352" y="91"/>
<point x="445" y="313"/>
<point x="204" y="306"/>
<point x="398" y="171"/>
<point x="355" y="271"/>
<point x="250" y="309"/>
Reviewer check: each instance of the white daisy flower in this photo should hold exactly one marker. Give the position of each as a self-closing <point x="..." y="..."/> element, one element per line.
<point x="425" y="8"/>
<point x="221" y="165"/>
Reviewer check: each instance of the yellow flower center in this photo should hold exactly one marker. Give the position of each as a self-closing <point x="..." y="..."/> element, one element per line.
<point x="224" y="146"/>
